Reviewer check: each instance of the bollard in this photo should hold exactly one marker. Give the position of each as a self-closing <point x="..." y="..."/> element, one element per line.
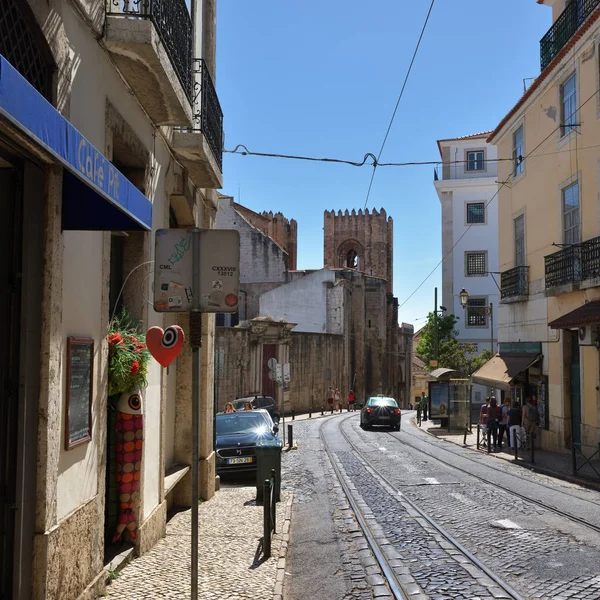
<point x="341" y="407"/>
<point x="310" y="412"/>
<point x="478" y="434"/>
<point x="322" y="411"/>
<point x="267" y="518"/>
<point x="293" y="414"/>
<point x="274" y="503"/>
<point x="332" y="409"/>
<point x="466" y="431"/>
<point x="532" y="448"/>
<point x="290" y="438"/>
<point x="516" y="445"/>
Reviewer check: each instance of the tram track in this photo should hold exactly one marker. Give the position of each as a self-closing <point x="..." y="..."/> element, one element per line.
<point x="527" y="498"/>
<point x="396" y="586"/>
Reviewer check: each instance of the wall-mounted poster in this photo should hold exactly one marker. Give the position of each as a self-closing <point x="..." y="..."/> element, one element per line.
<point x="80" y="370"/>
<point x="438" y="399"/>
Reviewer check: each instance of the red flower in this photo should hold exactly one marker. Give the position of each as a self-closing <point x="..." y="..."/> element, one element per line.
<point x="134" y="369"/>
<point x="114" y="339"/>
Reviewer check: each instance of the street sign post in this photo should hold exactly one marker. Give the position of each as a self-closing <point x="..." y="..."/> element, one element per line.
<point x="196" y="271"/>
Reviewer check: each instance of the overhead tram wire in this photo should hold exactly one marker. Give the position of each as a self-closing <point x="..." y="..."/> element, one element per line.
<point x="387" y="133"/>
<point x="504" y="183"/>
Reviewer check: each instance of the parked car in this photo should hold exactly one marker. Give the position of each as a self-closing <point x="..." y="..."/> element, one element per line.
<point x="265" y="402"/>
<point x="380" y="410"/>
<point x="237" y="434"/>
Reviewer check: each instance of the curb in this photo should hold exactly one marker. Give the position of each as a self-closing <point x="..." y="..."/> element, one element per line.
<point x="586" y="483"/>
<point x="283" y="548"/>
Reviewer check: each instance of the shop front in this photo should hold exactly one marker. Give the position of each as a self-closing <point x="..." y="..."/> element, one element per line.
<point x="52" y="180"/>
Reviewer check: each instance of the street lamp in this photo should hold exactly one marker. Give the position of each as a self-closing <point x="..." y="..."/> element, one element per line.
<point x="482" y="310"/>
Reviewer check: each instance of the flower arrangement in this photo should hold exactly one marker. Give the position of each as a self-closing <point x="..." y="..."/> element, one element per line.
<point x="128" y="356"/>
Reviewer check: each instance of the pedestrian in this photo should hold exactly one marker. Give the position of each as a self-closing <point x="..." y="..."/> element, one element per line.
<point x="483" y="411"/>
<point x="351" y="401"/>
<point x="503" y="425"/>
<point x="229" y="407"/>
<point x="514" y="423"/>
<point x="530" y="420"/>
<point x="418" y="404"/>
<point x="248" y="406"/>
<point x="425" y="403"/>
<point x="494" y="414"/>
<point x="330" y="394"/>
<point x="337" y="397"/>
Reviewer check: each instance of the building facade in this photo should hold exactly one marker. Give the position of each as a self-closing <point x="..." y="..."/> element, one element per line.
<point x="343" y="320"/>
<point x="549" y="232"/>
<point x="99" y="147"/>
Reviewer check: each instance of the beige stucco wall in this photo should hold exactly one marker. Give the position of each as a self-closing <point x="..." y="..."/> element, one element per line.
<point x="551" y="163"/>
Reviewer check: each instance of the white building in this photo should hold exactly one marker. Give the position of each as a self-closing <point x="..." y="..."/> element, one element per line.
<point x="466" y="185"/>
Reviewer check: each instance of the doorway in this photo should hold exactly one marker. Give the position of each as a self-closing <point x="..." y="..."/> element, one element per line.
<point x="10" y="336"/>
<point x="575" y="389"/>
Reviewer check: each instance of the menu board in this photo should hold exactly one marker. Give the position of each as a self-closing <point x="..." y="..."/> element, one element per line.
<point x="80" y="368"/>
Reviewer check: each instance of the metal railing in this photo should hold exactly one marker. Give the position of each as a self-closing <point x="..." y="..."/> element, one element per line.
<point x="269" y="512"/>
<point x="514" y="282"/>
<point x="208" y="116"/>
<point x="590" y="258"/>
<point x="563" y="267"/>
<point x="173" y="23"/>
<point x="562" y="30"/>
<point x="587" y="460"/>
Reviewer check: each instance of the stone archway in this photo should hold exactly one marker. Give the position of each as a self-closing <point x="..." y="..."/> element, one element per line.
<point x="351" y="255"/>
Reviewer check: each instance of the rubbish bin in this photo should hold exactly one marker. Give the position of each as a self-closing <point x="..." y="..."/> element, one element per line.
<point x="268" y="456"/>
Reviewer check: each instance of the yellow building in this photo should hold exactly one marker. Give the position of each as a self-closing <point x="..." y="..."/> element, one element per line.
<point x="549" y="231"/>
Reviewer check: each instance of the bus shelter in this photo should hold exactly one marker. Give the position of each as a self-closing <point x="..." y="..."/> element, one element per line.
<point x="450" y="399"/>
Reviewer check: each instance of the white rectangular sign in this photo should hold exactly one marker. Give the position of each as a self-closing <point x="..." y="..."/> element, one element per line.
<point x="286" y="372"/>
<point x="280" y="373"/>
<point x="219" y="270"/>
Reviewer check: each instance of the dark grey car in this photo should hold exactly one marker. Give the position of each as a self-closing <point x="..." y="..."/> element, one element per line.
<point x="380" y="410"/>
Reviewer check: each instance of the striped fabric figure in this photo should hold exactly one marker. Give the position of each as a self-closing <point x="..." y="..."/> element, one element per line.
<point x="128" y="456"/>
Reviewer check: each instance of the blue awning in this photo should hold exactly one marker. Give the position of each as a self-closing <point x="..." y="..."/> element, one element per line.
<point x="96" y="196"/>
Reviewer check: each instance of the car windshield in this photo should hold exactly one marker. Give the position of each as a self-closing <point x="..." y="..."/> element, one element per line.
<point x="383" y="402"/>
<point x="241" y="423"/>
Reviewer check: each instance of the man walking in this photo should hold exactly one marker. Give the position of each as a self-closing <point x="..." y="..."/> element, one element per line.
<point x="425" y="403"/>
<point x="503" y="425"/>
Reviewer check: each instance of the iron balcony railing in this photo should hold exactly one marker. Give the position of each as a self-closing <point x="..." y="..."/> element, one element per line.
<point x="563" y="267"/>
<point x="590" y="259"/>
<point x="174" y="26"/>
<point x="568" y="22"/>
<point x="208" y="116"/>
<point x="514" y="282"/>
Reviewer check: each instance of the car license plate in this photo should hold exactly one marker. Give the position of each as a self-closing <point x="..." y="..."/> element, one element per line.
<point x="238" y="461"/>
<point x="384" y="418"/>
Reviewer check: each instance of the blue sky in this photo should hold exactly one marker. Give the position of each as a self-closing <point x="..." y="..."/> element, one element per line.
<point x="322" y="79"/>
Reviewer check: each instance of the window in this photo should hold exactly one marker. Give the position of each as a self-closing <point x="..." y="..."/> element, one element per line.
<point x="518" y="151"/>
<point x="475" y="160"/>
<point x="475" y="263"/>
<point x="520" y="241"/>
<point x="352" y="259"/>
<point x="570" y="201"/>
<point x="476" y="312"/>
<point x="568" y="103"/>
<point x="476" y="212"/>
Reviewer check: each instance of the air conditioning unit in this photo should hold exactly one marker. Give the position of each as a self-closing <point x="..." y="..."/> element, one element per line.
<point x="587" y="335"/>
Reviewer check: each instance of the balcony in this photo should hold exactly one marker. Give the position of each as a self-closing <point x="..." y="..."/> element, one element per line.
<point x="514" y="284"/>
<point x="151" y="43"/>
<point x="563" y="267"/>
<point x="456" y="170"/>
<point x="562" y="30"/>
<point x="200" y="147"/>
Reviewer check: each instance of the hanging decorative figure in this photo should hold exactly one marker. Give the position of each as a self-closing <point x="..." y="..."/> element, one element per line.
<point x="128" y="458"/>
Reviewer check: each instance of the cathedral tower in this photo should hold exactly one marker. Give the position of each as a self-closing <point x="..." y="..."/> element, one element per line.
<point x="361" y="241"/>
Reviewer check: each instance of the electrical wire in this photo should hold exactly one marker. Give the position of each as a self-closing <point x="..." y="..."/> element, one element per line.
<point x="387" y="133"/>
<point x="503" y="184"/>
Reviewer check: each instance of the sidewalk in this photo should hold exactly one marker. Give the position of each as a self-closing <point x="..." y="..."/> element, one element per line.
<point x="553" y="464"/>
<point x="230" y="557"/>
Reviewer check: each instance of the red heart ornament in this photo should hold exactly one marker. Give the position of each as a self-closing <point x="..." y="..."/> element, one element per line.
<point x="165" y="345"/>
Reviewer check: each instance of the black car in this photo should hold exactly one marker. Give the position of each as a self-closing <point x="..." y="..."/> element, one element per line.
<point x="237" y="435"/>
<point x="265" y="402"/>
<point x="380" y="410"/>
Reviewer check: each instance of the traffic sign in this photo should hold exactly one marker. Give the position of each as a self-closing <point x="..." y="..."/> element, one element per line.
<point x="272" y="363"/>
<point x="286" y="372"/>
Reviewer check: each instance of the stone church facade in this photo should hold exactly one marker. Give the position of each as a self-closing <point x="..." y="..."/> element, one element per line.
<point x="336" y="326"/>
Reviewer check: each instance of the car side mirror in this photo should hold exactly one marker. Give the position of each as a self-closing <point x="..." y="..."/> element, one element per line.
<point x="275" y="429"/>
